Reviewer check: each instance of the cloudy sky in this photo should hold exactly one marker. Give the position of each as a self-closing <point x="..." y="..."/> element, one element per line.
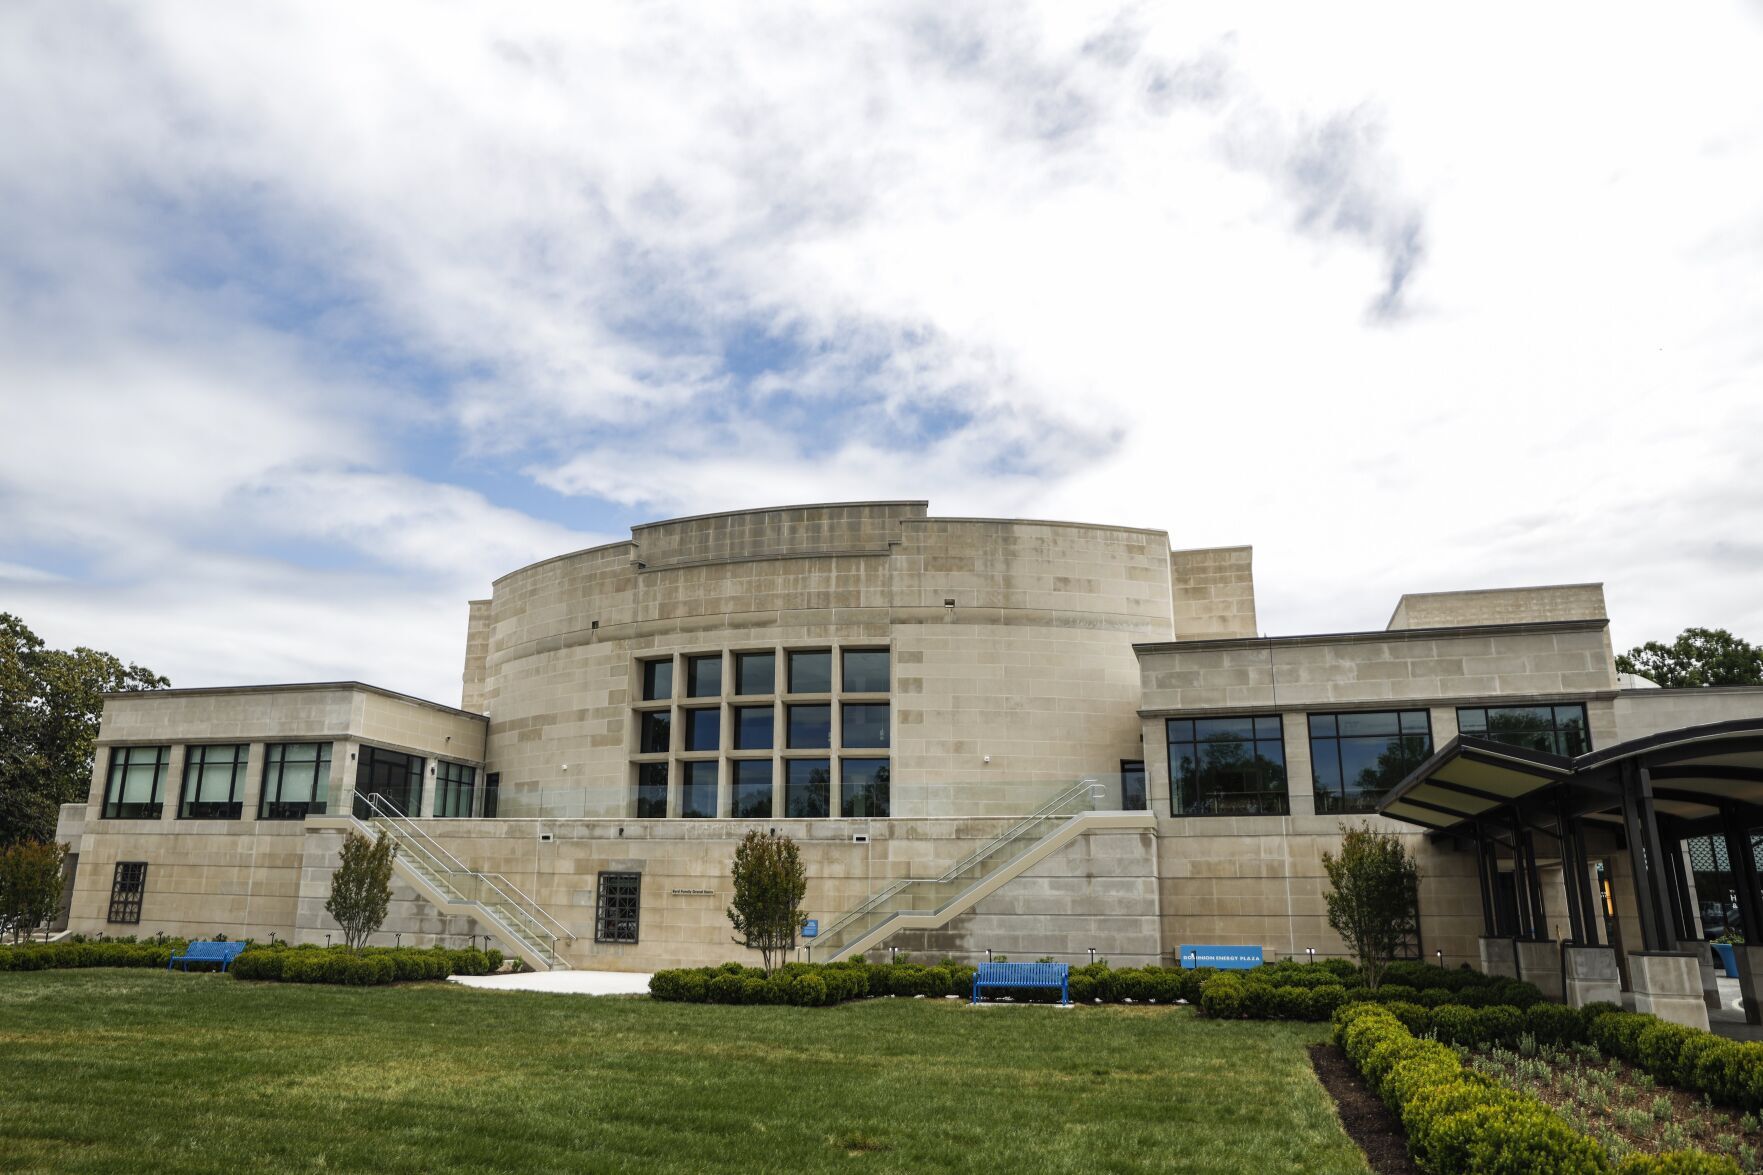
<point x="314" y="319"/>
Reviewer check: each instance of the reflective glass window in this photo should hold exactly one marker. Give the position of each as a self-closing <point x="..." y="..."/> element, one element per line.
<point x="697" y="796"/>
<point x="704" y="676"/>
<point x="1356" y="758"/>
<point x="214" y="782"/>
<point x="752" y="728"/>
<point x="393" y="776"/>
<point x="454" y="785"/>
<point x="651" y="791"/>
<point x="1556" y="730"/>
<point x="808" y="789"/>
<point x="655" y="735"/>
<point x="863" y="725"/>
<point x="658" y="680"/>
<point x="755" y="673"/>
<point x="863" y="787"/>
<point x="704" y="729"/>
<point x="811" y="726"/>
<point x="811" y="673"/>
<point x="296" y="780"/>
<point x="135" y="789"/>
<point x="1227" y="766"/>
<point x="750" y="789"/>
<point x="866" y="671"/>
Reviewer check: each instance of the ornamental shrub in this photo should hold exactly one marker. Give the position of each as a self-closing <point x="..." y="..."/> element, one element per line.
<point x="1395" y="993"/>
<point x="1592" y="1011"/>
<point x="1616" y="1034"/>
<point x="1677" y="1163"/>
<point x="1324" y="999"/>
<point x="1257" y="1001"/>
<point x="1291" y="1003"/>
<point x="1222" y="997"/>
<point x="724" y="988"/>
<point x="1414" y="1018"/>
<point x="1554" y="1024"/>
<point x="1455" y="1024"/>
<point x="1500" y="1024"/>
<point x="1432" y="997"/>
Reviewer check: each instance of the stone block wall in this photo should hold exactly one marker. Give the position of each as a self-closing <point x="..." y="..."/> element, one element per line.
<point x="1213" y="593"/>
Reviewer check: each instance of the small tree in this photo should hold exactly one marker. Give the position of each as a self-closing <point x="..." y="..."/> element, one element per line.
<point x="30" y="885"/>
<point x="1371" y="900"/>
<point x="769" y="887"/>
<point x="1698" y="657"/>
<point x="361" y="888"/>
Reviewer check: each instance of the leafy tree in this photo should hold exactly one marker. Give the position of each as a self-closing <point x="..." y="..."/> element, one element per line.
<point x="30" y="886"/>
<point x="50" y="701"/>
<point x="1371" y="899"/>
<point x="769" y="887"/>
<point x="1699" y="656"/>
<point x="361" y="888"/>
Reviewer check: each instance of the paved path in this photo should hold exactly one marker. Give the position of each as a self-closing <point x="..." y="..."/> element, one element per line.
<point x="563" y="982"/>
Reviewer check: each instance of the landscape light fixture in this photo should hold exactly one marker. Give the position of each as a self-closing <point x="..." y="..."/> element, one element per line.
<point x="1311" y="951"/>
<point x="397" y="940"/>
<point x="1440" y="954"/>
<point x="988" y="954"/>
<point x="1092" y="956"/>
<point x="327" y="940"/>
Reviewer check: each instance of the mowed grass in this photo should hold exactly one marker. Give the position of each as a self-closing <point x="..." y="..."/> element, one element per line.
<point x="137" y="1070"/>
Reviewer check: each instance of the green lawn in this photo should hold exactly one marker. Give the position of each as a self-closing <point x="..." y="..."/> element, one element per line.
<point x="134" y="1070"/>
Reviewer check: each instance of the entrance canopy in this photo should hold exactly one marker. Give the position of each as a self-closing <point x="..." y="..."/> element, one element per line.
<point x="1653" y="791"/>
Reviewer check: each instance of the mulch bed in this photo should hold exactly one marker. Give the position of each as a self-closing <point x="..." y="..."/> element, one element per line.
<point x="1367" y="1120"/>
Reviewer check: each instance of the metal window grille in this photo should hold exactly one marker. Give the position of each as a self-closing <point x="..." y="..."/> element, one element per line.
<point x="126" y="889"/>
<point x="615" y="918"/>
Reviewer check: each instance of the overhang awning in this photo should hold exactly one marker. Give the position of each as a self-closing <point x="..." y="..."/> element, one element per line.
<point x="1469" y="777"/>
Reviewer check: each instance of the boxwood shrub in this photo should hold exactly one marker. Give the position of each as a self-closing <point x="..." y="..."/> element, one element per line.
<point x="368" y="966"/>
<point x="56" y="955"/>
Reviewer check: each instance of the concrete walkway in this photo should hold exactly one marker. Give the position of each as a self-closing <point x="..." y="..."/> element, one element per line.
<point x="562" y="982"/>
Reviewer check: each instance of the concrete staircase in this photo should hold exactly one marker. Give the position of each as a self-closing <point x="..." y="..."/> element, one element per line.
<point x="931" y="902"/>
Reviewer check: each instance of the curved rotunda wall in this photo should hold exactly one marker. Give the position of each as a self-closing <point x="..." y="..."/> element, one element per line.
<point x="1031" y="665"/>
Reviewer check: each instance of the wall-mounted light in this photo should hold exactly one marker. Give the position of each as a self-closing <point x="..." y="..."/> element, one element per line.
<point x="949" y="603"/>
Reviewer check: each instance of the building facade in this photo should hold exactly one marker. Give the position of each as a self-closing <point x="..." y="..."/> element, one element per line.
<point x="1033" y="738"/>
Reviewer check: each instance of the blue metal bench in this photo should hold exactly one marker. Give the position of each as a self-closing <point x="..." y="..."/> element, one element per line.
<point x="207" y="952"/>
<point x="1024" y="975"/>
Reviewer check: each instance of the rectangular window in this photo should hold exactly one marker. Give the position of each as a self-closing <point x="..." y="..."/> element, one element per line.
<point x="755" y="673"/>
<point x="751" y="790"/>
<point x="866" y="671"/>
<point x="296" y="780"/>
<point x="127" y="886"/>
<point x="752" y="728"/>
<point x="811" y="673"/>
<point x="1356" y="758"/>
<point x="492" y="794"/>
<point x="454" y="783"/>
<point x="811" y="726"/>
<point x="864" y="724"/>
<point x="1132" y="786"/>
<point x="135" y="790"/>
<point x="808" y="789"/>
<point x="655" y="735"/>
<point x="1227" y="766"/>
<point x="396" y="778"/>
<point x="704" y="729"/>
<point x="697" y="796"/>
<point x="658" y="680"/>
<point x="651" y="791"/>
<point x="1557" y="730"/>
<point x="214" y="782"/>
<point x="615" y="909"/>
<point x="704" y="677"/>
<point x="863" y="787"/>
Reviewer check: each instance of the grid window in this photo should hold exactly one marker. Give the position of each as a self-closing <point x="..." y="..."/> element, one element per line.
<point x="454" y="784"/>
<point x="1227" y="766"/>
<point x="811" y="673"/>
<point x="753" y="728"/>
<point x="866" y="671"/>
<point x="651" y="791"/>
<point x="811" y="726"/>
<point x="615" y="910"/>
<point x="808" y="789"/>
<point x="658" y="680"/>
<point x="704" y="729"/>
<point x="214" y="782"/>
<point x="750" y="793"/>
<point x="863" y="725"/>
<point x="655" y="735"/>
<point x="704" y="676"/>
<point x="1356" y="758"/>
<point x="296" y="777"/>
<point x="127" y="886"/>
<point x="755" y="673"/>
<point x="1557" y="730"/>
<point x="137" y="782"/>
<point x="697" y="795"/>
<point x="863" y="787"/>
<point x="396" y="778"/>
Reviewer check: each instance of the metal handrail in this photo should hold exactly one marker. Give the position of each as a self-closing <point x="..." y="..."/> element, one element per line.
<point x="536" y="911"/>
<point x="1089" y="784"/>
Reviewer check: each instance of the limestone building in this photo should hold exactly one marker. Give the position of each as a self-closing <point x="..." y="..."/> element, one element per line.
<point x="1034" y="738"/>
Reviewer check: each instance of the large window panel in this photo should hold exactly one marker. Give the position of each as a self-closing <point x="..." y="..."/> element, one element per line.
<point x="808" y="789"/>
<point x="866" y="671"/>
<point x="863" y="725"/>
<point x="863" y="787"/>
<point x="454" y="785"/>
<point x="1357" y="758"/>
<point x="753" y="728"/>
<point x="704" y="729"/>
<point x="697" y="797"/>
<point x="1554" y="729"/>
<point x="296" y="780"/>
<point x="651" y="791"/>
<point x="391" y="775"/>
<point x="704" y="676"/>
<point x="655" y="734"/>
<point x="128" y="885"/>
<point x="214" y="782"/>
<point x="616" y="907"/>
<point x="811" y="727"/>
<point x="811" y="672"/>
<point x="1227" y="766"/>
<point x="755" y="673"/>
<point x="750" y="793"/>
<point x="136" y="787"/>
<point x="658" y="680"/>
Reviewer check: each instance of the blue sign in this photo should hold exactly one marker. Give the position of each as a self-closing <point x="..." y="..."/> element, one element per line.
<point x="811" y="928"/>
<point x="1224" y="958"/>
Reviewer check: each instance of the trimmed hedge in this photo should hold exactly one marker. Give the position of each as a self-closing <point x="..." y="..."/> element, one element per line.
<point x="733" y="983"/>
<point x="1458" y="1121"/>
<point x="1728" y="1071"/>
<point x="56" y="955"/>
<point x="366" y="967"/>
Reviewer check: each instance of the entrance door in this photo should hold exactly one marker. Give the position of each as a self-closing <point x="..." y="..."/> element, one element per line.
<point x="1132" y="785"/>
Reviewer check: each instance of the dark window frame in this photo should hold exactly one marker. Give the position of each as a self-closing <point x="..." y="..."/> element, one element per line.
<point x="270" y="805"/>
<point x="1557" y="734"/>
<point x="1334" y="742"/>
<point x="887" y="726"/>
<point x="618" y="904"/>
<point x="128" y="888"/>
<point x="492" y="793"/>
<point x="1134" y="799"/>
<point x="692" y="665"/>
<point x="822" y="790"/>
<point x="790" y="658"/>
<point x="196" y="768"/>
<point x="848" y="793"/>
<point x="738" y="733"/>
<point x="649" y="672"/>
<point x="1279" y="797"/>
<point x="451" y="788"/>
<point x="790" y="711"/>
<point x="689" y="787"/>
<point x="741" y="661"/>
<point x="405" y="795"/>
<point x="648" y="722"/>
<point x="646" y="797"/>
<point x="124" y="758"/>
<point x="845" y="655"/>
<point x="737" y="786"/>
<point x="691" y="716"/>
